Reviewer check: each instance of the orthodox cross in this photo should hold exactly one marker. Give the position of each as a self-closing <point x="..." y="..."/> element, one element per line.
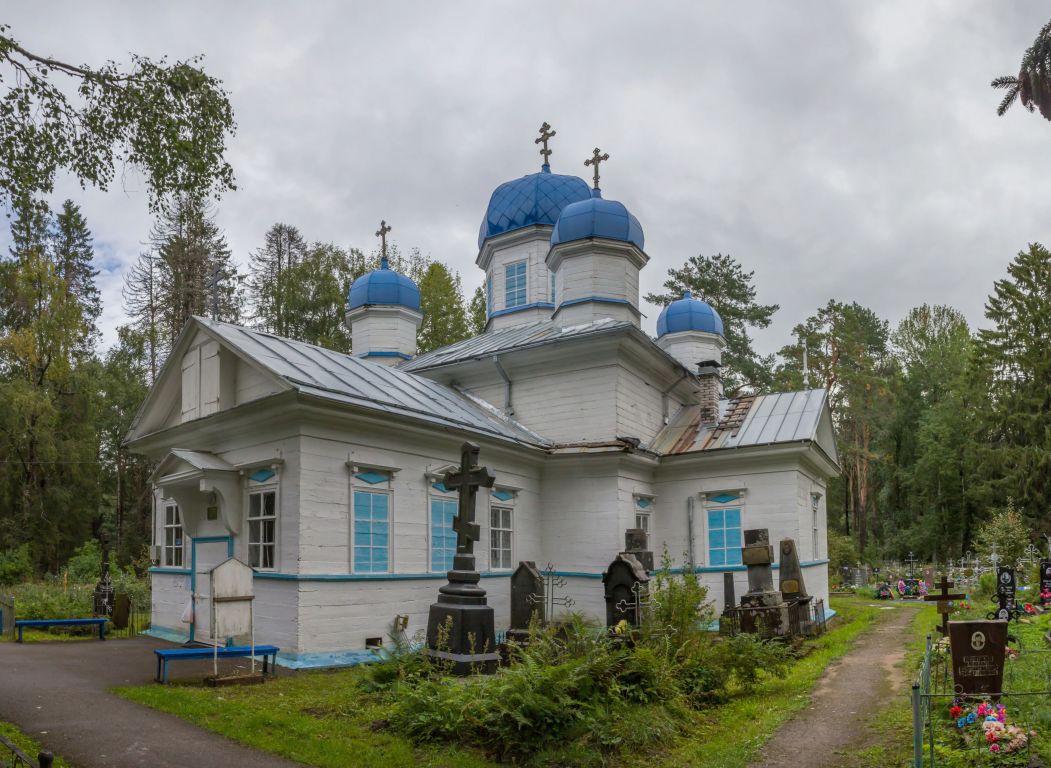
<point x="381" y="233"/>
<point x="641" y="599"/>
<point x="994" y="558"/>
<point x="596" y="157"/>
<point x="911" y="560"/>
<point x="469" y="478"/>
<point x="552" y="581"/>
<point x="545" y="134"/>
<point x="943" y="599"/>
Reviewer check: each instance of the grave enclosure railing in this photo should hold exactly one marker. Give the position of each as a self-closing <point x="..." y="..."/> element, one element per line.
<point x="933" y="694"/>
<point x="13" y="757"/>
<point x="804" y="619"/>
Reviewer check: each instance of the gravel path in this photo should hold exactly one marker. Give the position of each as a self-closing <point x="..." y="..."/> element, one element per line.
<point x="56" y="692"/>
<point x="846" y="696"/>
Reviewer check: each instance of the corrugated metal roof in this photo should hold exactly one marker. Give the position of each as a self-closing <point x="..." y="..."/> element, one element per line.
<point x="781" y="417"/>
<point x="494" y="342"/>
<point x="335" y="376"/>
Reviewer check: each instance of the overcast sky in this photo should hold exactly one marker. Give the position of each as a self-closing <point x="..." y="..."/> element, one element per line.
<point x="840" y="149"/>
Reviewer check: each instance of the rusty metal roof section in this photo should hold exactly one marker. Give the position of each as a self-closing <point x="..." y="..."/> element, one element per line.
<point x="750" y="420"/>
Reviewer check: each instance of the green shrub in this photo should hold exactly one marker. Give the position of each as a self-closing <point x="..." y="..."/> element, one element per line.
<point x="16" y="565"/>
<point x="85" y="565"/>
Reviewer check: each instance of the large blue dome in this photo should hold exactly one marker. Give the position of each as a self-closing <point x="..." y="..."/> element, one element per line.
<point x="689" y="314"/>
<point x="384" y="286"/>
<point x="534" y="199"/>
<point x="596" y="217"/>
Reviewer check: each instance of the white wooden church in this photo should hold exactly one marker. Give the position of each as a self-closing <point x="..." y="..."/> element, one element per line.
<point x="323" y="470"/>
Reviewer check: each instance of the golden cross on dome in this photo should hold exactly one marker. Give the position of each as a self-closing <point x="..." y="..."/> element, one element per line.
<point x="596" y="157"/>
<point x="545" y="134"/>
<point x="381" y="233"/>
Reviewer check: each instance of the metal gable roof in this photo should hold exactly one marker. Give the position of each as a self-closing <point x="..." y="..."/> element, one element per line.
<point x="520" y="336"/>
<point x="334" y="376"/>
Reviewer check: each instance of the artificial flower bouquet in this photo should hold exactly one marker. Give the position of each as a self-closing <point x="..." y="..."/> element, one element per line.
<point x="985" y="727"/>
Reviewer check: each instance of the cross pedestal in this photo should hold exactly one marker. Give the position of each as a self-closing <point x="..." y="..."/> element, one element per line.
<point x="943" y="599"/>
<point x="460" y="626"/>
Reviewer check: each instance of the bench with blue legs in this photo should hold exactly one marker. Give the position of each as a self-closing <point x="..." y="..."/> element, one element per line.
<point x="164" y="655"/>
<point x="35" y="623"/>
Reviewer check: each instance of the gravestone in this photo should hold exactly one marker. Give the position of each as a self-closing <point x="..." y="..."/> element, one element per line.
<point x="729" y="599"/>
<point x="460" y="626"/>
<point x="527" y="600"/>
<point x="928" y="577"/>
<point x="978" y="649"/>
<point x="1005" y="592"/>
<point x="790" y="574"/>
<point x="763" y="611"/>
<point x="1045" y="582"/>
<point x="102" y="598"/>
<point x="624" y="581"/>
<point x="121" y="611"/>
<point x="636" y="543"/>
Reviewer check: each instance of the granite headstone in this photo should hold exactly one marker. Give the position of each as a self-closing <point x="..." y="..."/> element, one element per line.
<point x="527" y="600"/>
<point x="978" y="649"/>
<point x="624" y="581"/>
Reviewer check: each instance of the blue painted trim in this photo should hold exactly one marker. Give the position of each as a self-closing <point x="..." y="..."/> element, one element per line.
<point x="512" y="310"/>
<point x="596" y="299"/>
<point x="179" y="571"/>
<point x="503" y="495"/>
<point x="384" y="353"/>
<point x="193" y="568"/>
<point x="697" y="569"/>
<point x="366" y="576"/>
<point x="166" y="633"/>
<point x="262" y="475"/>
<point x="327" y="659"/>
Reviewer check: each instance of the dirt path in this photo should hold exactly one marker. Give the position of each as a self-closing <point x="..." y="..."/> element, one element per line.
<point x="844" y="699"/>
<point x="57" y="693"/>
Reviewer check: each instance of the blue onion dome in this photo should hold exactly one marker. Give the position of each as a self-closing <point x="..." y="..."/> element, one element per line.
<point x="596" y="217"/>
<point x="384" y="286"/>
<point x="689" y="314"/>
<point x="534" y="199"/>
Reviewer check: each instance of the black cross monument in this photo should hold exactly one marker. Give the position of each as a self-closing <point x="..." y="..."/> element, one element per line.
<point x="460" y="627"/>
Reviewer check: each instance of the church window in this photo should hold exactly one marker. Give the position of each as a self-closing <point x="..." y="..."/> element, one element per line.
<point x="724" y="536"/>
<point x="262" y="529"/>
<point x="643" y="510"/>
<point x="552" y="287"/>
<point x="173" y="537"/>
<point x="371" y="531"/>
<point x="500" y="537"/>
<point x="815" y="500"/>
<point x="515" y="284"/>
<point x="443" y="537"/>
<point x="489" y="296"/>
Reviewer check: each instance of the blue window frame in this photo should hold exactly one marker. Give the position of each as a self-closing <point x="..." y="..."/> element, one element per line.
<point x="443" y="537"/>
<point x="724" y="536"/>
<point x="371" y="532"/>
<point x="515" y="285"/>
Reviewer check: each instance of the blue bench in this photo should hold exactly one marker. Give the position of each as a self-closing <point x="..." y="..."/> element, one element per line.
<point x="164" y="655"/>
<point x="24" y="623"/>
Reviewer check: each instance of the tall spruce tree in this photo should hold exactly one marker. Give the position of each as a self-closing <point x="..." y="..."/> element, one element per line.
<point x="283" y="249"/>
<point x="1013" y="353"/>
<point x="72" y="250"/>
<point x="722" y="282"/>
<point x="478" y="311"/>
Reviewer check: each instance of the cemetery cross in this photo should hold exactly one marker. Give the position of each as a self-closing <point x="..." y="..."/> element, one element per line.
<point x="468" y="480"/>
<point x="545" y="134"/>
<point x="943" y="603"/>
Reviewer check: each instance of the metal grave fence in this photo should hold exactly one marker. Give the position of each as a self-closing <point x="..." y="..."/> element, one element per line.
<point x="1026" y="694"/>
<point x="13" y="757"/>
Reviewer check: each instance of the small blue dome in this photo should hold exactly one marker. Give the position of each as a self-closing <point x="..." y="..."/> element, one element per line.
<point x="384" y="286"/>
<point x="689" y="314"/>
<point x="534" y="199"/>
<point x="596" y="217"/>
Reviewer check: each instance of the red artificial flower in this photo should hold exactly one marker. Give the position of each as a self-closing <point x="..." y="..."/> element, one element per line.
<point x="954" y="712"/>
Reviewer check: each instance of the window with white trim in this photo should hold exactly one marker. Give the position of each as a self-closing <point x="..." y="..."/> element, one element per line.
<point x="443" y="508"/>
<point x="262" y="529"/>
<point x="552" y="287"/>
<point x="815" y="502"/>
<point x="370" y="521"/>
<point x="643" y="511"/>
<point x="489" y="296"/>
<point x="723" y="518"/>
<point x="515" y="284"/>
<point x="500" y="533"/>
<point x="172" y="549"/>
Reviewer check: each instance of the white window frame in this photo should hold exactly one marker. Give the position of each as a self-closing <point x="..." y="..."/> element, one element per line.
<point x="178" y="534"/>
<point x="523" y="287"/>
<point x="385" y="488"/>
<point x="497" y="505"/>
<point x="261" y="491"/>
<point x="709" y="504"/>
<point x="433" y="494"/>
<point x="644" y="514"/>
<point x="815" y="511"/>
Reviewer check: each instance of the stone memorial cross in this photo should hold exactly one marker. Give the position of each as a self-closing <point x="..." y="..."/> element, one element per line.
<point x="468" y="480"/>
<point x="943" y="599"/>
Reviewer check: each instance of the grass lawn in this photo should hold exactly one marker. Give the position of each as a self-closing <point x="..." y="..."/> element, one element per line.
<point x="324" y="719"/>
<point x="24" y="743"/>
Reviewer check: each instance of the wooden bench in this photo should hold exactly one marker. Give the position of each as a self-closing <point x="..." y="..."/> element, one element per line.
<point x="164" y="655"/>
<point x="24" y="623"/>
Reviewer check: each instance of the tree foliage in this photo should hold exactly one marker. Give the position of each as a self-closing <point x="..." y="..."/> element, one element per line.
<point x="1032" y="85"/>
<point x="722" y="282"/>
<point x="170" y="121"/>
